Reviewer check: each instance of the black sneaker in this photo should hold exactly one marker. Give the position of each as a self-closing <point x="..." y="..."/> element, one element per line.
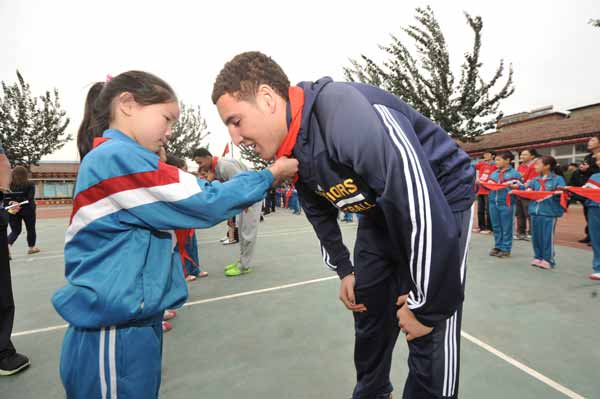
<point x="502" y="254"/>
<point x="13" y="364"/>
<point x="494" y="252"/>
<point x="585" y="240"/>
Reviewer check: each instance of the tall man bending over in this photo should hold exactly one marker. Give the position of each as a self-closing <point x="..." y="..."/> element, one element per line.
<point x="363" y="150"/>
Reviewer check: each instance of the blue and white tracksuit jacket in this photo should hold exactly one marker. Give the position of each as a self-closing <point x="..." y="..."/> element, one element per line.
<point x="121" y="269"/>
<point x="501" y="215"/>
<point x="544" y="215"/>
<point x="594" y="222"/>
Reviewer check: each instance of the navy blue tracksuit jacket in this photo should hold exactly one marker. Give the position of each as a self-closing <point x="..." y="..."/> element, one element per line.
<point x="364" y="150"/>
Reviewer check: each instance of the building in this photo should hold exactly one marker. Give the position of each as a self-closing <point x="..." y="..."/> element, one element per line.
<point x="54" y="181"/>
<point x="561" y="134"/>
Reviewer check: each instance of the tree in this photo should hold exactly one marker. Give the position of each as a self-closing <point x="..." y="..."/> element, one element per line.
<point x="251" y="156"/>
<point x="188" y="132"/>
<point x="466" y="109"/>
<point x="595" y="22"/>
<point x="30" y="127"/>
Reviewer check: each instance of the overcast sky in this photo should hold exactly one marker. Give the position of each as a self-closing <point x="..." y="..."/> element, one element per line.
<point x="69" y="45"/>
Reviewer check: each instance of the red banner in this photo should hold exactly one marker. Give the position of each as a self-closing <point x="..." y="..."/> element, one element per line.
<point x="539" y="196"/>
<point x="592" y="194"/>
<point x="494" y="186"/>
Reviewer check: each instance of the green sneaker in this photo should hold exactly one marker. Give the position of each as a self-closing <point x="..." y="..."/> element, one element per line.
<point x="234" y="264"/>
<point x="236" y="271"/>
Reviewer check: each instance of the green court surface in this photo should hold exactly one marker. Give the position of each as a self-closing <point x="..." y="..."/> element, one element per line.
<point x="281" y="332"/>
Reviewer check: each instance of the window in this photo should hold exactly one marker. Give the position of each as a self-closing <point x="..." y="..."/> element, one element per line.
<point x="562" y="150"/>
<point x="545" y="151"/>
<point x="58" y="189"/>
<point x="581" y="148"/>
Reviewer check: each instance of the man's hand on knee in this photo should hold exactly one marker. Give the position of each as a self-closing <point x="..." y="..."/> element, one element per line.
<point x="407" y="321"/>
<point x="347" y="294"/>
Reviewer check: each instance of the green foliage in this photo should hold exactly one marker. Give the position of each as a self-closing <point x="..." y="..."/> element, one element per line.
<point x="30" y="127"/>
<point x="465" y="109"/>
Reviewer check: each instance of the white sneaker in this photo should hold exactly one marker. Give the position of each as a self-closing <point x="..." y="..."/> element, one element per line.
<point x="222" y="240"/>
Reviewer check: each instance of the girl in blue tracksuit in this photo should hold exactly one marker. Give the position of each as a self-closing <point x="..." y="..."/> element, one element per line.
<point x="545" y="213"/>
<point x="502" y="215"/>
<point x="121" y="268"/>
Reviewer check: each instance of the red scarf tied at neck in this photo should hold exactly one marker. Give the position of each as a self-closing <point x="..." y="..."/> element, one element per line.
<point x="296" y="95"/>
<point x="213" y="165"/>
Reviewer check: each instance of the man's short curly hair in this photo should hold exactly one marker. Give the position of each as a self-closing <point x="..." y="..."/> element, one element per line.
<point x="242" y="76"/>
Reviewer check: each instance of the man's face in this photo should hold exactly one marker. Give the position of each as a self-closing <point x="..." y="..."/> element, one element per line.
<point x="487" y="156"/>
<point x="258" y="123"/>
<point x="204" y="163"/>
<point x="526" y="156"/>
<point x="593" y="144"/>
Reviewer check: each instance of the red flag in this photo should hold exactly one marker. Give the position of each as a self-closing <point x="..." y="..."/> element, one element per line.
<point x="226" y="150"/>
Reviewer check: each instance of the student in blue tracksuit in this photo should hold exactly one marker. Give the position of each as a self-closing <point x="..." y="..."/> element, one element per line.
<point x="121" y="270"/>
<point x="363" y="150"/>
<point x="295" y="202"/>
<point x="544" y="213"/>
<point x="594" y="222"/>
<point x="501" y="215"/>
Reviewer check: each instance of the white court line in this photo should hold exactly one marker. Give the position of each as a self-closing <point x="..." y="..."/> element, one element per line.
<point x="241" y="294"/>
<point x="40" y="330"/>
<point x="216" y="299"/>
<point x="528" y="370"/>
<point x="538" y="376"/>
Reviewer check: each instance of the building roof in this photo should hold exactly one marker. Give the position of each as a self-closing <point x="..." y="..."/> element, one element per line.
<point x="540" y="133"/>
<point x="584" y="107"/>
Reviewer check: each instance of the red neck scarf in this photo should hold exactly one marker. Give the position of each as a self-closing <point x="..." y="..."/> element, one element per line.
<point x="213" y="166"/>
<point x="99" y="140"/>
<point x="542" y="182"/>
<point x="296" y="95"/>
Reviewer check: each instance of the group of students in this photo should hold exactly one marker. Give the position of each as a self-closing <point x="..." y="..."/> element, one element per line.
<point x="124" y="264"/>
<point x="538" y="195"/>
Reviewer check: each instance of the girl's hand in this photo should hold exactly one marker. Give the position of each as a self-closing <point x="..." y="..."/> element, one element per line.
<point x="284" y="169"/>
